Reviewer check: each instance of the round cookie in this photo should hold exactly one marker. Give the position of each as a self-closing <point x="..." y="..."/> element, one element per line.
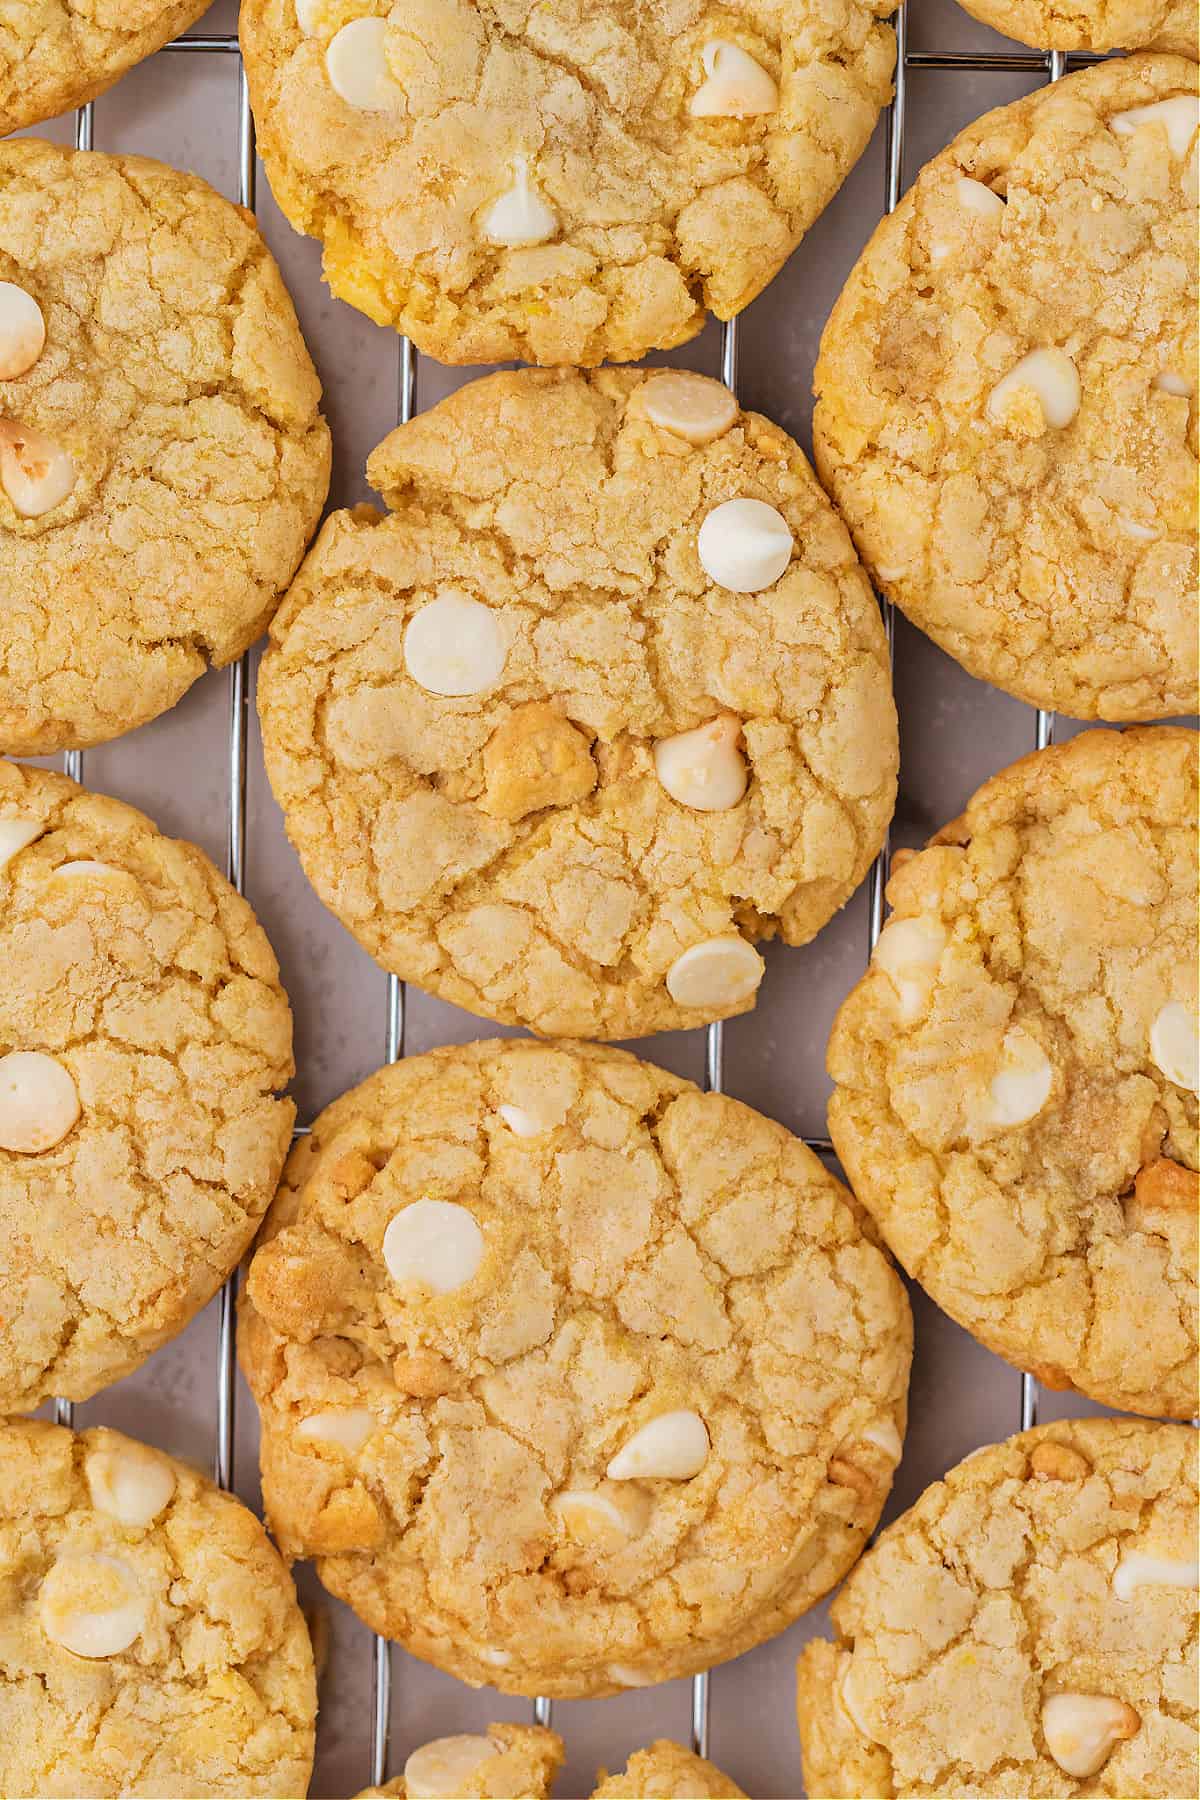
<point x="1093" y="24"/>
<point x="1027" y="1628"/>
<point x="571" y="1377"/>
<point x="1016" y="1073"/>
<point x="513" y="1762"/>
<point x="150" y="1640"/>
<point x="667" y="1771"/>
<point x="1006" y="395"/>
<point x="601" y="701"/>
<point x="162" y="459"/>
<point x="144" y="1038"/>
<point x="58" y="53"/>
<point x="566" y="184"/>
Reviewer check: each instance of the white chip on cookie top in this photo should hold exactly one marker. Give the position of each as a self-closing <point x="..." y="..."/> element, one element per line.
<point x="39" y="1102"/>
<point x="735" y="85"/>
<point x="1050" y="377"/>
<point x="1178" y="117"/>
<point x="434" y="1242"/>
<point x="530" y="1122"/>
<point x="347" y="1427"/>
<point x="1169" y="381"/>
<point x="672" y="1447"/>
<point x="22" y="331"/>
<point x="356" y="63"/>
<point x="36" y="473"/>
<point x="720" y="972"/>
<point x="744" y="545"/>
<point x="17" y="835"/>
<point x="978" y="202"/>
<point x="84" y="867"/>
<point x="704" y="768"/>
<point x="454" y="646"/>
<point x="693" y="407"/>
<point x="128" y="1482"/>
<point x="447" y="1765"/>
<point x="1021" y="1085"/>
<point x="1082" y="1730"/>
<point x="308" y="15"/>
<point x="91" y="1605"/>
<point x="909" y="951"/>
<point x="521" y="215"/>
<point x="1141" y="1568"/>
<point x="1175" y="1045"/>
<point x="592" y="1516"/>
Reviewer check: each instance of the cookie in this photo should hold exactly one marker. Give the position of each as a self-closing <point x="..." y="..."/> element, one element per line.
<point x="58" y="53"/>
<point x="602" y="700"/>
<point x="1016" y="1073"/>
<point x="513" y="1762"/>
<point x="162" y="460"/>
<point x="565" y="184"/>
<point x="1093" y="24"/>
<point x="571" y="1377"/>
<point x="144" y="1038"/>
<point x="667" y="1771"/>
<point x="1027" y="1628"/>
<point x="150" y="1640"/>
<point x="1006" y="395"/>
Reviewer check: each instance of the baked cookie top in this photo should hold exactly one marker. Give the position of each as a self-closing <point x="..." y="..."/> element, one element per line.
<point x="602" y="700"/>
<point x="1027" y="1628"/>
<point x="150" y="1640"/>
<point x="559" y="183"/>
<point x="56" y="54"/>
<point x="571" y="1377"/>
<point x="1093" y="24"/>
<point x="667" y="1771"/>
<point x="143" y="1040"/>
<point x="512" y="1762"/>
<point x="1006" y="395"/>
<point x="162" y="460"/>
<point x="1016" y="1073"/>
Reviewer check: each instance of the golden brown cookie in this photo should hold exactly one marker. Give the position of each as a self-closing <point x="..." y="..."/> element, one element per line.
<point x="150" y="1640"/>
<point x="1093" y="24"/>
<point x="571" y="1377"/>
<point x="55" y="54"/>
<point x="667" y="1771"/>
<point x="1027" y="1628"/>
<point x="1006" y="395"/>
<point x="513" y="1762"/>
<point x="602" y="700"/>
<point x="162" y="459"/>
<point x="1017" y="1071"/>
<point x="144" y="1038"/>
<point x="559" y="183"/>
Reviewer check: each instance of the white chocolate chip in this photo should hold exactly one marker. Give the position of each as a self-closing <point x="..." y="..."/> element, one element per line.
<point x="720" y="972"/>
<point x="71" y="871"/>
<point x="704" y="768"/>
<point x="1050" y="376"/>
<point x="1168" y="381"/>
<point x="737" y="87"/>
<point x="1175" y="1045"/>
<point x="909" y="951"/>
<point x="308" y="16"/>
<point x="673" y="1447"/>
<point x="35" y="472"/>
<point x="90" y="1604"/>
<point x="448" y="1766"/>
<point x="16" y="835"/>
<point x="1021" y="1085"/>
<point x="348" y="1427"/>
<point x="499" y="1659"/>
<point x="744" y="545"/>
<point x="356" y="63"/>
<point x="1135" y="529"/>
<point x="885" y="1437"/>
<point x="528" y="1124"/>
<point x="519" y="216"/>
<point x="626" y="1677"/>
<point x="1178" y="117"/>
<point x="22" y="331"/>
<point x="1082" y="1730"/>
<point x="434" y="1242"/>
<point x="1138" y="1569"/>
<point x="846" y="1697"/>
<point x="454" y="646"/>
<point x="974" y="198"/>
<point x="39" y="1102"/>
<point x="592" y="1516"/>
<point x="693" y="407"/>
<point x="129" y="1483"/>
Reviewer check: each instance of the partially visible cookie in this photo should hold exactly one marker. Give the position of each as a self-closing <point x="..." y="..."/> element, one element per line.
<point x="667" y="1771"/>
<point x="513" y="1762"/>
<point x="1093" y="24"/>
<point x="1027" y="1628"/>
<point x="150" y="1640"/>
<point x="57" y="54"/>
<point x="1006" y="394"/>
<point x="144" y="1039"/>
<point x="559" y="184"/>
<point x="1017" y="1071"/>
<point x="163" y="462"/>
<point x="603" y="700"/>
<point x="571" y="1378"/>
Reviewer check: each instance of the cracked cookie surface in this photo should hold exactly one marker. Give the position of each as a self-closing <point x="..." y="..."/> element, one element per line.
<point x="560" y="183"/>
<point x="150" y="1639"/>
<point x="162" y="459"/>
<point x="1093" y="24"/>
<point x="666" y="1771"/>
<point x="512" y="1762"/>
<point x="1006" y="395"/>
<point x="517" y="849"/>
<point x="56" y="54"/>
<point x="1016" y="1073"/>
<point x="571" y="1378"/>
<point x="143" y="1039"/>
<point x="1028" y="1628"/>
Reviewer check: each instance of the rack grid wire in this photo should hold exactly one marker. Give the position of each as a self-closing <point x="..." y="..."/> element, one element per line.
<point x="1052" y="65"/>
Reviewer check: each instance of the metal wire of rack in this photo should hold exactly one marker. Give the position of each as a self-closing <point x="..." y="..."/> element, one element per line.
<point x="1052" y="65"/>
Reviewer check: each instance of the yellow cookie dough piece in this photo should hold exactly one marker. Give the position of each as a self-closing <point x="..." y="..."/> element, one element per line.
<point x="666" y="1771"/>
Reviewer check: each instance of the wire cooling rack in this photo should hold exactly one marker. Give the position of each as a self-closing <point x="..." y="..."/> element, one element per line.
<point x="393" y="1008"/>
